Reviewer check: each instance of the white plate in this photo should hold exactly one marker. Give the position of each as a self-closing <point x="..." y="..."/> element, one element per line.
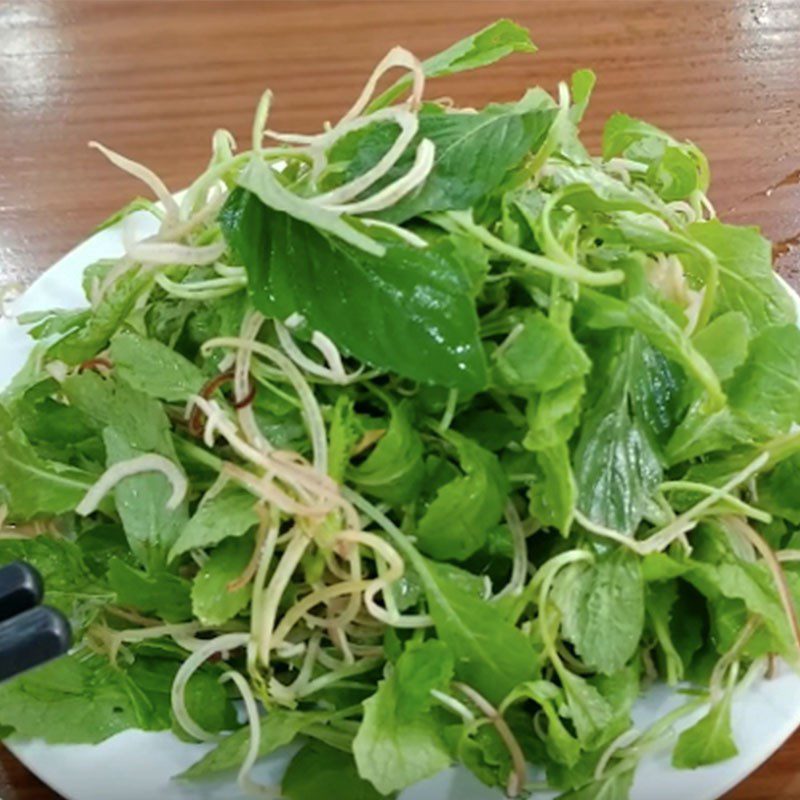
<point x="135" y="765"/>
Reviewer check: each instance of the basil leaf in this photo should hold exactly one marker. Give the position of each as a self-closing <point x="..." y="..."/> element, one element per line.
<point x="415" y="303"/>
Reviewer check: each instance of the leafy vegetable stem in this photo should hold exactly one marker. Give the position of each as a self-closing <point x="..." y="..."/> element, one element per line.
<point x="734" y="502"/>
<point x="572" y="272"/>
<point x="516" y="779"/>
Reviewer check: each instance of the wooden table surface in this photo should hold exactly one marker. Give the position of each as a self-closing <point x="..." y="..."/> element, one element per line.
<point x="154" y="79"/>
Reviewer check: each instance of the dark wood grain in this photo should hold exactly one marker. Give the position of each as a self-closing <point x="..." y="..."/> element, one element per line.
<point x="155" y="79"/>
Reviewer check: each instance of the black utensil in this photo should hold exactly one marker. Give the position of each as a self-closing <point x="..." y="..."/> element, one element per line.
<point x="30" y="634"/>
<point x="20" y="589"/>
<point x="32" y="638"/>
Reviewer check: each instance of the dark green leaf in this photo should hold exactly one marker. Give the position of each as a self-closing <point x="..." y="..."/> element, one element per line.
<point x="459" y="519"/>
<point x="161" y="593"/>
<point x="322" y="771"/>
<point x="415" y="303"/>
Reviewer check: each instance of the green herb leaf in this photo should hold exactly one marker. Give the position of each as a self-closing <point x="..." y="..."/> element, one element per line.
<point x="220" y="515"/>
<point x="154" y="368"/>
<point x="491" y="654"/>
<point x="398" y="743"/>
<point x="708" y="741"/>
<point x="319" y="770"/>
<point x="88" y="340"/>
<point x="459" y="519"/>
<point x="415" y="302"/>
<point x="542" y="356"/>
<point x="212" y="601"/>
<point x="278" y="728"/>
<point x="79" y="699"/>
<point x="494" y="42"/>
<point x="161" y="593"/>
<point x="603" y="610"/>
<point x="394" y="470"/>
<point x="32" y="486"/>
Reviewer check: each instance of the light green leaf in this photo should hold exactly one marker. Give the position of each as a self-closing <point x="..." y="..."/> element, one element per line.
<point x="708" y="741"/>
<point x="88" y="340"/>
<point x="154" y="368"/>
<point x="141" y="502"/>
<point x="162" y="593"/>
<point x="603" y="610"/>
<point x="724" y="342"/>
<point x="212" y="602"/>
<point x="394" y="469"/>
<point x="491" y="654"/>
<point x="496" y="41"/>
<point x="747" y="282"/>
<point x="398" y="743"/>
<point x="613" y="787"/>
<point x="78" y="699"/>
<point x="542" y="356"/>
<point x="220" y="515"/>
<point x="278" y="728"/>
<point x="31" y="486"/>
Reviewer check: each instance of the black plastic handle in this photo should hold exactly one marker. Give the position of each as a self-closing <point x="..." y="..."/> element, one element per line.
<point x="32" y="638"/>
<point x="20" y="589"/>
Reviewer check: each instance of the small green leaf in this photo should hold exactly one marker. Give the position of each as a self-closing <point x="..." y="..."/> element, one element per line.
<point x="88" y="340"/>
<point x="603" y="610"/>
<point x="278" y="728"/>
<point x="492" y="655"/>
<point x="496" y="41"/>
<point x="213" y="603"/>
<point x="394" y="469"/>
<point x="228" y="513"/>
<point x="398" y="742"/>
<point x="542" y="356"/>
<point x="154" y="368"/>
<point x="322" y="771"/>
<point x="30" y="485"/>
<point x="708" y="741"/>
<point x="160" y="592"/>
<point x="459" y="519"/>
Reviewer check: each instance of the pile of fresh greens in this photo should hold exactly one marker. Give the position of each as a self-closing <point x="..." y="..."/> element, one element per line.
<point x="431" y="437"/>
